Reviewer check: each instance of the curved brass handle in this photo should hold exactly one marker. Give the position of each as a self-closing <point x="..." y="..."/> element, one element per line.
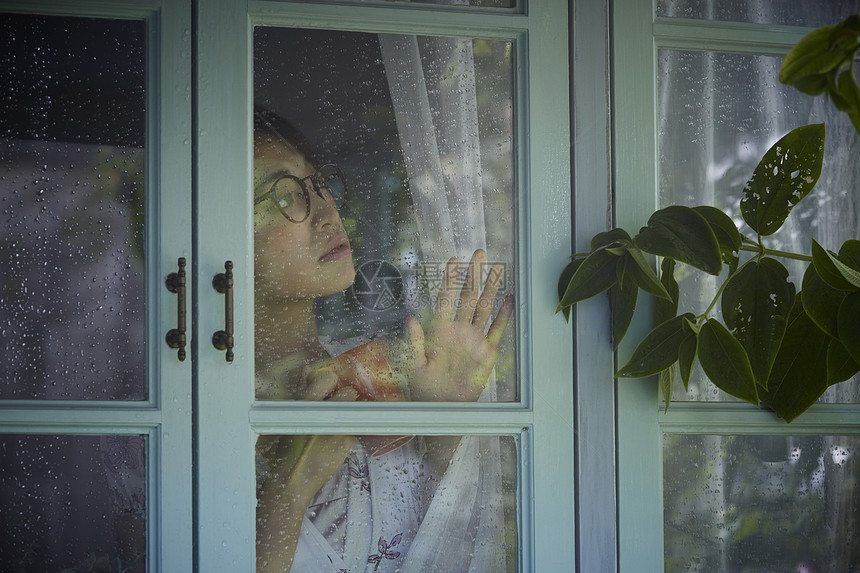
<point x="223" y="283"/>
<point x="175" y="283"/>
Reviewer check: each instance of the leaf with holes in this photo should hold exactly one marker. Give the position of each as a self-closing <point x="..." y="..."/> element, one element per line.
<point x="756" y="303"/>
<point x="785" y="175"/>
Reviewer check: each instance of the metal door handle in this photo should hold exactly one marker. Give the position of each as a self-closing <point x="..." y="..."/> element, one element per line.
<point x="223" y="283"/>
<point x="175" y="283"/>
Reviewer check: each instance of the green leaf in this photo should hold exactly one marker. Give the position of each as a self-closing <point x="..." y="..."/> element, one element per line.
<point x="643" y="275"/>
<point x="826" y="265"/>
<point x="606" y="238"/>
<point x="686" y="358"/>
<point x="666" y="309"/>
<point x="725" y="362"/>
<point x="849" y="93"/>
<point x="821" y="301"/>
<point x="848" y="324"/>
<point x="595" y="275"/>
<point x="658" y="350"/>
<point x="799" y="374"/>
<point x="756" y="303"/>
<point x="682" y="234"/>
<point x="824" y="50"/>
<point x="849" y="253"/>
<point x="849" y="274"/>
<point x="784" y="176"/>
<point x="667" y="384"/>
<point x="564" y="280"/>
<point x="622" y="298"/>
<point x="812" y="85"/>
<point x="621" y="272"/>
<point x="840" y="365"/>
<point x="836" y="96"/>
<point x="727" y="234"/>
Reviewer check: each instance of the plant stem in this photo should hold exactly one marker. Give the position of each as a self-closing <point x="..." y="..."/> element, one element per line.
<point x="714" y="301"/>
<point x="776" y="253"/>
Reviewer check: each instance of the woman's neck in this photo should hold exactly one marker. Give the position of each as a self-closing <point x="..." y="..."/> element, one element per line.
<point x="283" y="330"/>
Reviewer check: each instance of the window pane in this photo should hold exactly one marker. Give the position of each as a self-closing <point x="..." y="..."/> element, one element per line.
<point x="409" y="509"/>
<point x="761" y="503"/>
<point x="718" y="114"/>
<point x="420" y="129"/>
<point x="72" y="217"/>
<point x="73" y="503"/>
<point x="761" y="11"/>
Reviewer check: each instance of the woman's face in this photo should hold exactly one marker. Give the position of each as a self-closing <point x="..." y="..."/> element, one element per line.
<point x="296" y="261"/>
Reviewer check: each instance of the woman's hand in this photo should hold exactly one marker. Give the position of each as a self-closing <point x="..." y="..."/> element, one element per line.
<point x="453" y="361"/>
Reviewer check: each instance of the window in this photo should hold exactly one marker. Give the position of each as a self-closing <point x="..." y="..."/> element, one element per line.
<point x="184" y="432"/>
<point x="699" y="101"/>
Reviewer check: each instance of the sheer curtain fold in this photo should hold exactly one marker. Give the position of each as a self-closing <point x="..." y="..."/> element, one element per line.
<point x="438" y="130"/>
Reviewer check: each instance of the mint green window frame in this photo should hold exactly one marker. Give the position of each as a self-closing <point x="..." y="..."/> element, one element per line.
<point x="200" y="419"/>
<point x="638" y="34"/>
<point x="164" y="418"/>
<point x="228" y="419"/>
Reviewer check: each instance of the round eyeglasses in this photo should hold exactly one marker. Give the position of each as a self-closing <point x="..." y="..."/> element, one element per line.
<point x="292" y="196"/>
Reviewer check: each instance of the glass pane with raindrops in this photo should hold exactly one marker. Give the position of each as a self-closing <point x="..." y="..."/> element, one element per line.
<point x="72" y="188"/>
<point x="718" y="114"/>
<point x="391" y="503"/>
<point x="73" y="503"/>
<point x="384" y="204"/>
<point x="761" y="503"/>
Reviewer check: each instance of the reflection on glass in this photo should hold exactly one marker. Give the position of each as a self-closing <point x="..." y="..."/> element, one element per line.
<point x="418" y="133"/>
<point x="71" y="209"/>
<point x="438" y="503"/>
<point x="73" y="503"/>
<point x="718" y="114"/>
<point x="761" y="503"/>
<point x="761" y="11"/>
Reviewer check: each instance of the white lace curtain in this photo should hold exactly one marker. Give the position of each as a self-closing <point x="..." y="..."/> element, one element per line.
<point x="442" y="152"/>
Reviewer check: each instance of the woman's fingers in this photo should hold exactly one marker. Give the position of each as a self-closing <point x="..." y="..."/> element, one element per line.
<point x="446" y="299"/>
<point x="345" y="394"/>
<point x="322" y="383"/>
<point x="497" y="328"/>
<point x="471" y="286"/>
<point x="416" y="348"/>
<point x="488" y="296"/>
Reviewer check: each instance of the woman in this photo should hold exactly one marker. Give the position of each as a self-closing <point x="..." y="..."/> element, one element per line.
<point x="313" y="486"/>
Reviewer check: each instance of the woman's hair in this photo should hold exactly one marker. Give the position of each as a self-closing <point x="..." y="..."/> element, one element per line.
<point x="271" y="125"/>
